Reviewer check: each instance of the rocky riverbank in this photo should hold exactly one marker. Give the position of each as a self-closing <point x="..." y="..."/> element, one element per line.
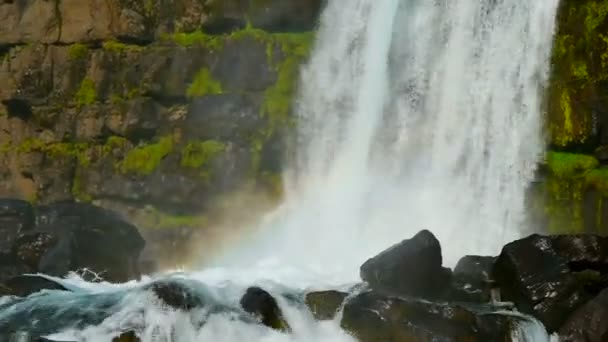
<point x="405" y="295"/>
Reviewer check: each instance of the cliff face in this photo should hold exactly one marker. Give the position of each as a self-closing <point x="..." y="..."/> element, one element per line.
<point x="129" y="104"/>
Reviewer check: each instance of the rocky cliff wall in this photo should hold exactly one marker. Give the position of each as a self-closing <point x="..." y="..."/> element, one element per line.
<point x="153" y="107"/>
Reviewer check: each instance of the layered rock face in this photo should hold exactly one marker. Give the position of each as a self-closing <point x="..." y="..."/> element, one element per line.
<point x="130" y="105"/>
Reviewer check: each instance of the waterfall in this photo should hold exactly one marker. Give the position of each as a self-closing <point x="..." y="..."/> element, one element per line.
<point x="414" y="114"/>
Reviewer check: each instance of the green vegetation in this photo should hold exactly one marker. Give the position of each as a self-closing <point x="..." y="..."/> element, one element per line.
<point x="78" y="51"/>
<point x="86" y="94"/>
<point x="56" y="149"/>
<point x="197" y="155"/>
<point x="196" y="38"/>
<point x="204" y="84"/>
<point x="118" y="47"/>
<point x="568" y="199"/>
<point x="568" y="165"/>
<point x="145" y="159"/>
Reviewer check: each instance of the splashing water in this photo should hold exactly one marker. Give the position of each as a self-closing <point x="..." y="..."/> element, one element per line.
<point x="417" y="114"/>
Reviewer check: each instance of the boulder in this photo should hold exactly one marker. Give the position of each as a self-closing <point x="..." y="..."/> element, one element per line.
<point x="472" y="280"/>
<point x="72" y="236"/>
<point x="372" y="317"/>
<point x="544" y="275"/>
<point x="409" y="268"/>
<point x="588" y="323"/>
<point x="325" y="304"/>
<point x="264" y="306"/>
<point x="176" y="295"/>
<point x="25" y="285"/>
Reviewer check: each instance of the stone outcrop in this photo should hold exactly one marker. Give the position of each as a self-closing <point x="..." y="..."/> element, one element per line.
<point x="550" y="277"/>
<point x="412" y="267"/>
<point x="63" y="237"/>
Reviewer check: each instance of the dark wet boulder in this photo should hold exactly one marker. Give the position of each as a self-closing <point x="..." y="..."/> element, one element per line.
<point x="409" y="268"/>
<point x="372" y="317"/>
<point x="16" y="217"/>
<point x="264" y="306"/>
<point x="546" y="276"/>
<point x="589" y="322"/>
<point x="71" y="236"/>
<point x="177" y="295"/>
<point x="472" y="280"/>
<point x="25" y="285"/>
<point x="126" y="337"/>
<point x="325" y="304"/>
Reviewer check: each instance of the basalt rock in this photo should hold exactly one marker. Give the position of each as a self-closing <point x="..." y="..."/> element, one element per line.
<point x="325" y="304"/>
<point x="176" y="295"/>
<point x="23" y="286"/>
<point x="545" y="276"/>
<point x="588" y="323"/>
<point x="472" y="280"/>
<point x="409" y="268"/>
<point x="375" y="317"/>
<point x="264" y="306"/>
<point x="73" y="236"/>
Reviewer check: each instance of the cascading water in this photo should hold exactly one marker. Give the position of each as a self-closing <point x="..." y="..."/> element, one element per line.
<point x="412" y="114"/>
<point x="418" y="114"/>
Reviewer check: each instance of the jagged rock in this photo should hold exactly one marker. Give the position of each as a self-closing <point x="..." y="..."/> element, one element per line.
<point x="588" y="323"/>
<point x="472" y="280"/>
<point x="409" y="268"/>
<point x="262" y="304"/>
<point x="176" y="295"/>
<point x="325" y="304"/>
<point x="23" y="286"/>
<point x="374" y="317"/>
<point x="540" y="274"/>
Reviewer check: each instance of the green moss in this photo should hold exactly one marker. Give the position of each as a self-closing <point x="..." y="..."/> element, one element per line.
<point x="598" y="179"/>
<point x="204" y="84"/>
<point x="579" y="70"/>
<point x="57" y="149"/>
<point x="196" y="38"/>
<point x="86" y="94"/>
<point x="145" y="159"/>
<point x="278" y="99"/>
<point x="175" y="221"/>
<point x="198" y="155"/>
<point x="118" y="47"/>
<point x="596" y="14"/>
<point x="113" y="143"/>
<point x="78" y="190"/>
<point x="567" y="165"/>
<point x="78" y="51"/>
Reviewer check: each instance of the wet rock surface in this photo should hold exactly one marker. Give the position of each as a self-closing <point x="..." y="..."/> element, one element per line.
<point x="541" y="274"/>
<point x="264" y="306"/>
<point x="324" y="305"/>
<point x="410" y="268"/>
<point x="375" y="317"/>
<point x="68" y="237"/>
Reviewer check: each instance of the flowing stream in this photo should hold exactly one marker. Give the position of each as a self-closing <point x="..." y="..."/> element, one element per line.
<point x="412" y="114"/>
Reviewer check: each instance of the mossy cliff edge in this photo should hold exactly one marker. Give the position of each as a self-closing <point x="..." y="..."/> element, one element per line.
<point x="573" y="182"/>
